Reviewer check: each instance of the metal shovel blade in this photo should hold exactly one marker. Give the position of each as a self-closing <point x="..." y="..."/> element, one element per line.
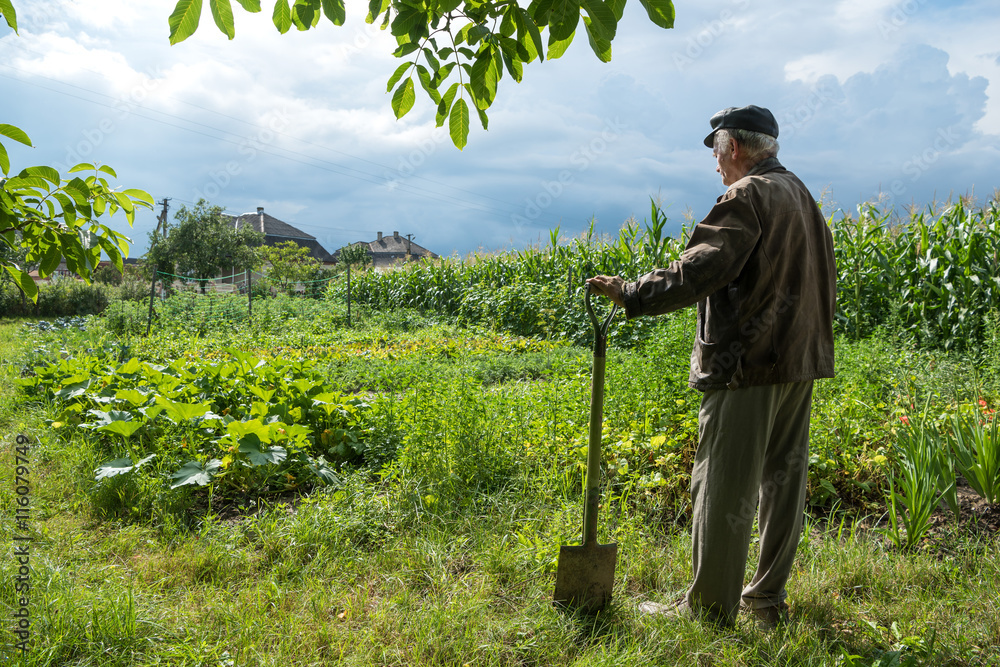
<point x="585" y="576"/>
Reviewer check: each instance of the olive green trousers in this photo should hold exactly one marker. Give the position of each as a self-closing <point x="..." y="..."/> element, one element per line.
<point x="753" y="451"/>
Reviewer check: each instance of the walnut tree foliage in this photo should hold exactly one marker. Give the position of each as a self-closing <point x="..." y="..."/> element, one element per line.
<point x="46" y="219"/>
<point x="457" y="49"/>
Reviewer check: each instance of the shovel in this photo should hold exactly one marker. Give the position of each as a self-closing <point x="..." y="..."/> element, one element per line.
<point x="585" y="574"/>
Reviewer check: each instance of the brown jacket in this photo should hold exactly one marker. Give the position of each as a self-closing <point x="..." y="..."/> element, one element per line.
<point x="760" y="267"/>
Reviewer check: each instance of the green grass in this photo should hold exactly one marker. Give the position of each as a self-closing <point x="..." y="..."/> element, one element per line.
<point x="442" y="551"/>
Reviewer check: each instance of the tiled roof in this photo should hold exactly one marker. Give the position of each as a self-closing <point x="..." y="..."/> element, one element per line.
<point x="399" y="244"/>
<point x="269" y="225"/>
<point x="388" y="249"/>
<point x="276" y="231"/>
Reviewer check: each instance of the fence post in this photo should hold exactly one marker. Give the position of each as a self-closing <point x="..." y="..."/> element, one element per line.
<point x="348" y="295"/>
<point x="249" y="294"/>
<point x="152" y="295"/>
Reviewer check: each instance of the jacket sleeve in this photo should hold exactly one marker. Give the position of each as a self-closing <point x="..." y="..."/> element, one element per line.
<point x="719" y="247"/>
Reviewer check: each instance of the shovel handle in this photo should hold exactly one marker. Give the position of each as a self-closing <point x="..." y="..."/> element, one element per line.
<point x="593" y="494"/>
<point x="600" y="328"/>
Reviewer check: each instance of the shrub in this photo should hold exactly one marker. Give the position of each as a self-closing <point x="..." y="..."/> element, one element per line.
<point x="133" y="288"/>
<point x="12" y="300"/>
<point x="108" y="275"/>
<point x="67" y="297"/>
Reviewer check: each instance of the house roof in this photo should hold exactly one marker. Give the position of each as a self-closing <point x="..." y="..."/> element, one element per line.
<point x="277" y="231"/>
<point x="398" y="245"/>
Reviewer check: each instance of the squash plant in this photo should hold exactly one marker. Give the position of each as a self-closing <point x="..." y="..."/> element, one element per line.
<point x="241" y="422"/>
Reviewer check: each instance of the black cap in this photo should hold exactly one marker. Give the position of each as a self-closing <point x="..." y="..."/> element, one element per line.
<point x="753" y="118"/>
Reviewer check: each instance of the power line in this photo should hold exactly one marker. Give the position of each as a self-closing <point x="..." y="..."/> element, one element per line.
<point x="334" y="167"/>
<point x="253" y="125"/>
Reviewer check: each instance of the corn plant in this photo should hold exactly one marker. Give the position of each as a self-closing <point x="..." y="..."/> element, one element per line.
<point x="934" y="276"/>
<point x="528" y="292"/>
<point x="975" y="441"/>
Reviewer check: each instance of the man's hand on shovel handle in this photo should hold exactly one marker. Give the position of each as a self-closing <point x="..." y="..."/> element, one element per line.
<point x="609" y="286"/>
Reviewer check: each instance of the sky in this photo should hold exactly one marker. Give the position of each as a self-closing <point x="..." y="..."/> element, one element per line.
<point x="891" y="101"/>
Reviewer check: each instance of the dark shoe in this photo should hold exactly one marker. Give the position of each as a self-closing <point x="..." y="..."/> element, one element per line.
<point x="768" y="618"/>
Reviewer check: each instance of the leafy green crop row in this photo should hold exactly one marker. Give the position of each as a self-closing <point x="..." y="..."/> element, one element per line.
<point x="934" y="277"/>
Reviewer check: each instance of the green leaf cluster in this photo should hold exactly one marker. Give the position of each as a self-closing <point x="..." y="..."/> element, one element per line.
<point x="458" y="49"/>
<point x="288" y="264"/>
<point x="232" y="417"/>
<point x="46" y="219"/>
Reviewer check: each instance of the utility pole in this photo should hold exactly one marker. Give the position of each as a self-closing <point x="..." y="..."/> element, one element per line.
<point x="160" y="221"/>
<point x="409" y="241"/>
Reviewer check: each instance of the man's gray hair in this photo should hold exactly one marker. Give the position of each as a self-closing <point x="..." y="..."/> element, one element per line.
<point x="756" y="145"/>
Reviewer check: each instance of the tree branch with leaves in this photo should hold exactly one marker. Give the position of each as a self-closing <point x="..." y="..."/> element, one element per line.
<point x="47" y="219"/>
<point x="474" y="40"/>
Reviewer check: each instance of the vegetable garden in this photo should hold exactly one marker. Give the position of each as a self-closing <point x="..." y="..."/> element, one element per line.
<point x="285" y="489"/>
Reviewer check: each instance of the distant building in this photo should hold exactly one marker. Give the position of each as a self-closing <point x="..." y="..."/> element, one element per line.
<point x="275" y="231"/>
<point x="385" y="251"/>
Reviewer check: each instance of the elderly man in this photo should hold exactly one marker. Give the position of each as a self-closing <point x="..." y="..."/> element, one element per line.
<point x="760" y="267"/>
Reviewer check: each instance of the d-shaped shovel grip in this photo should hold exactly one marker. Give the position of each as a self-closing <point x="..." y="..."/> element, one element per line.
<point x="600" y="328"/>
<point x="596" y="415"/>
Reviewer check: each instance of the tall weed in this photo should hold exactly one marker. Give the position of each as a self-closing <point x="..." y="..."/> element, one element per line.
<point x="926" y="476"/>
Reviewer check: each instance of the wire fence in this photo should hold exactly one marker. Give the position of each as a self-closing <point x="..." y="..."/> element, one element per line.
<point x="206" y="303"/>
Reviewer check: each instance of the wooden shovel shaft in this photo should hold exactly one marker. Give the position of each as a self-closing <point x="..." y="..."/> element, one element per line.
<point x="594" y="453"/>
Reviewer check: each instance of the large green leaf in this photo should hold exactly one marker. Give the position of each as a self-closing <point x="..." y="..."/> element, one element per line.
<point x="178" y="412"/>
<point x="24" y="281"/>
<point x="126" y="429"/>
<point x="282" y="16"/>
<point x="7" y="9"/>
<point x="48" y="173"/>
<point x="50" y="259"/>
<point x="15" y="133"/>
<point x="335" y="11"/>
<point x="304" y="14"/>
<point x="485" y="76"/>
<point x="222" y="12"/>
<point x="600" y="46"/>
<point x="661" y="12"/>
<point x="563" y="18"/>
<point x="397" y="75"/>
<point x="119" y="467"/>
<point x="252" y="6"/>
<point x="426" y="84"/>
<point x="78" y="190"/>
<point x="133" y="397"/>
<point x="184" y="20"/>
<point x="259" y="455"/>
<point x="141" y="196"/>
<point x="444" y="106"/>
<point x="194" y="472"/>
<point x="73" y="390"/>
<point x="238" y="430"/>
<point x="406" y="20"/>
<point x="4" y="161"/>
<point x="458" y="124"/>
<point x="617" y="7"/>
<point x="603" y="23"/>
<point x="403" y="98"/>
